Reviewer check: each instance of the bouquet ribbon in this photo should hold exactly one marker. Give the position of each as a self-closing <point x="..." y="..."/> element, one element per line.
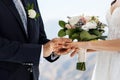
<point x="81" y="60"/>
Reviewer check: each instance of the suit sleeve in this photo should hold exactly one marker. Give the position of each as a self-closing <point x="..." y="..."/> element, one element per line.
<point x="19" y="52"/>
<point x="43" y="39"/>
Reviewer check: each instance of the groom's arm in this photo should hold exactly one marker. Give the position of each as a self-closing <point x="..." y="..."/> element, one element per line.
<point x="19" y="52"/>
<point x="43" y="40"/>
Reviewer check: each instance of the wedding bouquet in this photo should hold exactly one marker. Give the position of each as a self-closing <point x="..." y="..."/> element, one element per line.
<point x="82" y="28"/>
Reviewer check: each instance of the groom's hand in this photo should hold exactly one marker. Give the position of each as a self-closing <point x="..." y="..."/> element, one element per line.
<point x="58" y="46"/>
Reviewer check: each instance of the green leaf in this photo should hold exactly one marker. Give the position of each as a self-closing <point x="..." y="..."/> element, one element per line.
<point x="37" y="15"/>
<point x="103" y="37"/>
<point x="30" y="6"/>
<point x="97" y="33"/>
<point x="70" y="31"/>
<point x="85" y="36"/>
<point x="62" y="23"/>
<point x="75" y="36"/>
<point x="61" y="33"/>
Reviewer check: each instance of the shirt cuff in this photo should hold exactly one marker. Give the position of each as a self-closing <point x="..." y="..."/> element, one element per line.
<point x="53" y="57"/>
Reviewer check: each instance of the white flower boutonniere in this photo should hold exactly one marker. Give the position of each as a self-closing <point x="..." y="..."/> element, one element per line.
<point x="31" y="12"/>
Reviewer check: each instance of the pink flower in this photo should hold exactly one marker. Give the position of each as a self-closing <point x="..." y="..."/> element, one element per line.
<point x="68" y="26"/>
<point x="83" y="20"/>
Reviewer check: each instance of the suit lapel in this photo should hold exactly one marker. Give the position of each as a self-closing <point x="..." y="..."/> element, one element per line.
<point x="32" y="24"/>
<point x="12" y="8"/>
<point x="33" y="30"/>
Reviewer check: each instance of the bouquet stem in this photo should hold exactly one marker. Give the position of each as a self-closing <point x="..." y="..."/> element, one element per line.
<point x="81" y="60"/>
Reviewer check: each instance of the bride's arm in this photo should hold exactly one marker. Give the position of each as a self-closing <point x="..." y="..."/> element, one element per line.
<point x="107" y="45"/>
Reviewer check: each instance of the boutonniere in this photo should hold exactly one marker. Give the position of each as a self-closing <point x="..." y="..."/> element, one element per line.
<point x="31" y="12"/>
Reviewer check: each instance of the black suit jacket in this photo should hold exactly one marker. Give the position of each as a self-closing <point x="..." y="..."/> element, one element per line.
<point x="15" y="46"/>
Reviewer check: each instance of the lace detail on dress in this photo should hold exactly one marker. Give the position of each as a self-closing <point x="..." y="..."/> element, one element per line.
<point x="114" y="24"/>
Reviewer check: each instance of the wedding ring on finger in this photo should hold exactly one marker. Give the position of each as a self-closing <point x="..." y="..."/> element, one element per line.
<point x="71" y="51"/>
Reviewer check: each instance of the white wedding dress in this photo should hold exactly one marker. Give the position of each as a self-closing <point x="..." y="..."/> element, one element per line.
<point x="108" y="63"/>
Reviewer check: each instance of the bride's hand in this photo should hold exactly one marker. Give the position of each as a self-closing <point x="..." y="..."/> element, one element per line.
<point x="79" y="45"/>
<point x="83" y="45"/>
<point x="74" y="48"/>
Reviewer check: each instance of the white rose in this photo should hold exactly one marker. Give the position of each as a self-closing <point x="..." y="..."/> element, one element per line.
<point x="84" y="27"/>
<point x="73" y="20"/>
<point x="32" y="13"/>
<point x="91" y="25"/>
